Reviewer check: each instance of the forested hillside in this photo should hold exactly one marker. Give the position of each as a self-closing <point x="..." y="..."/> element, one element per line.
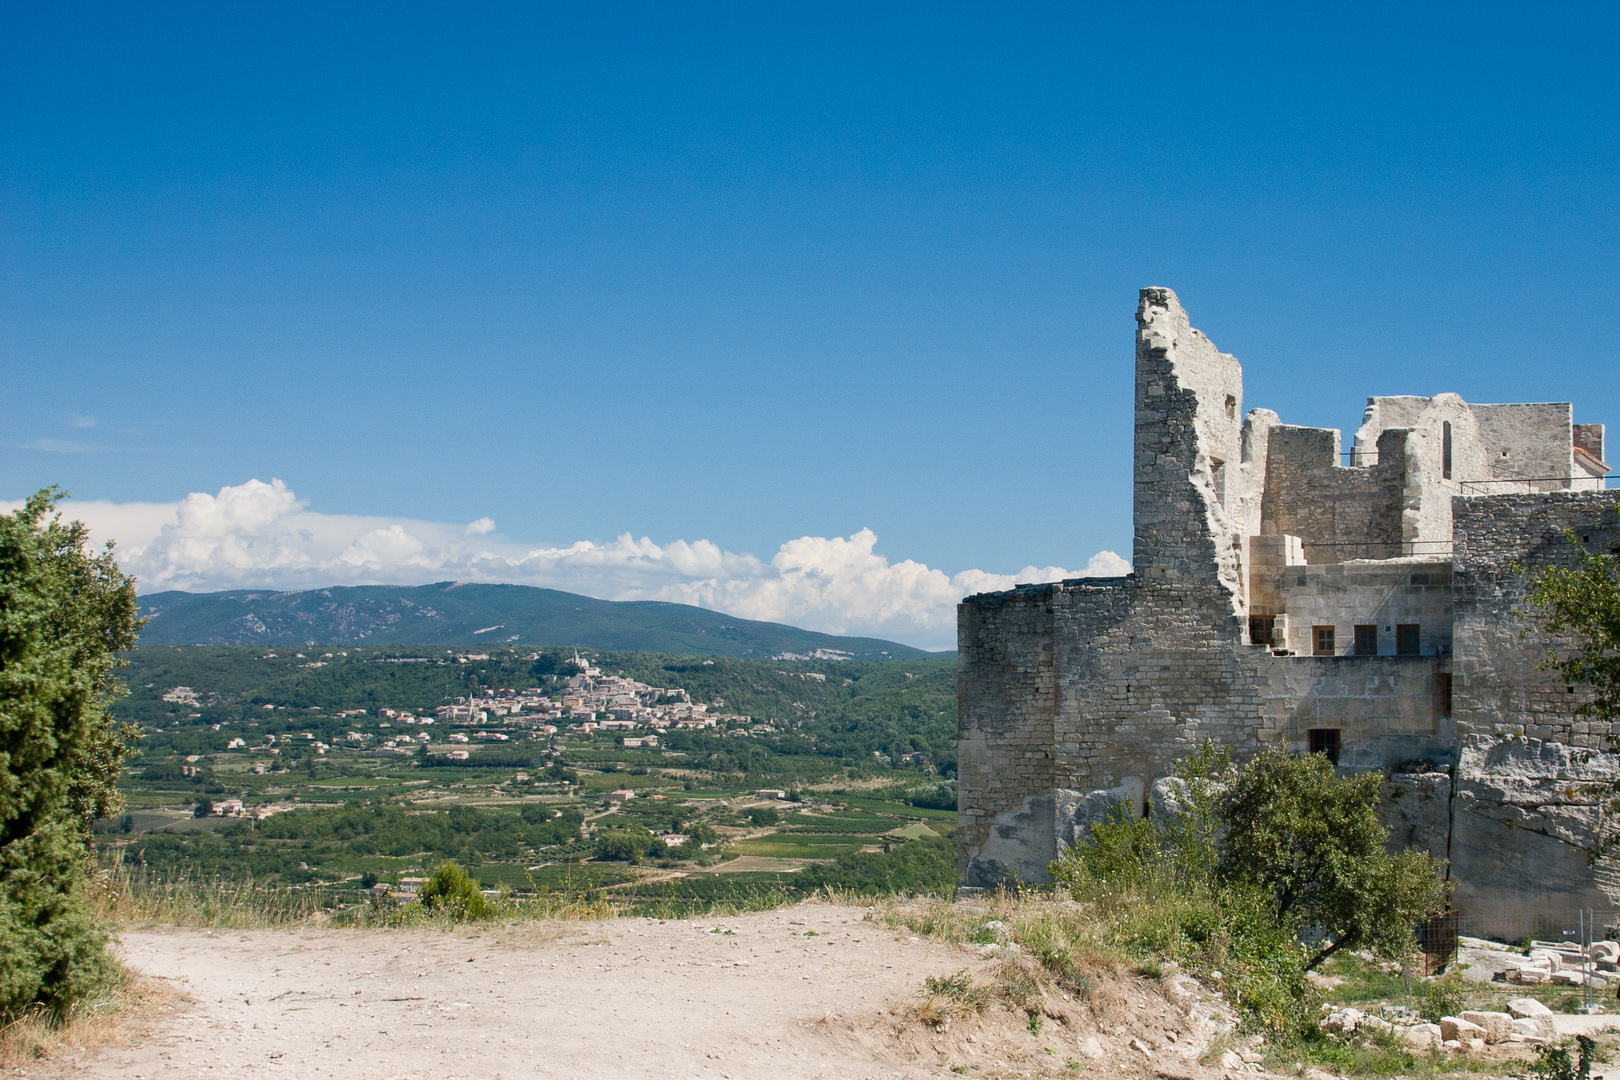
<point x="454" y="613"/>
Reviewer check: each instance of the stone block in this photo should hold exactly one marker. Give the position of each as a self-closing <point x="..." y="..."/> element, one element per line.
<point x="1605" y="951"/>
<point x="1535" y="1027"/>
<point x="1423" y="1036"/>
<point x="1342" y="1022"/>
<point x="1498" y="1026"/>
<point x="1520" y="1008"/>
<point x="1456" y="1029"/>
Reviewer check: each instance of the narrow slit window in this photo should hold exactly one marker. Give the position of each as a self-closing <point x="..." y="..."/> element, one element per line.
<point x="1323" y="640"/>
<point x="1326" y="741"/>
<point x="1445" y="449"/>
<point x="1408" y="639"/>
<point x="1442" y="692"/>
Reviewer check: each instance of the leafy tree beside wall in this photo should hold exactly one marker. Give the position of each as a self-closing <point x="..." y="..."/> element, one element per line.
<point x="65" y="613"/>
<point x="1582" y="605"/>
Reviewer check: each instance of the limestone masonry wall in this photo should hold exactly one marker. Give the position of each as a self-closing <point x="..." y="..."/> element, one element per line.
<point x="1283" y="597"/>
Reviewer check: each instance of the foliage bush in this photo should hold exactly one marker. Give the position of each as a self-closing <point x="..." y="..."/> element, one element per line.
<point x="1443" y="997"/>
<point x="451" y="892"/>
<point x="65" y="613"/>
<point x="1553" y="1061"/>
<point x="626" y="845"/>
<point x="1249" y="865"/>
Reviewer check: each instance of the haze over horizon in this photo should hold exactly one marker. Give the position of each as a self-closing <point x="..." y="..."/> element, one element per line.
<point x="818" y="315"/>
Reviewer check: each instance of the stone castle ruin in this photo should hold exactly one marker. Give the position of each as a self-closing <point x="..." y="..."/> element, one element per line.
<point x="1286" y="593"/>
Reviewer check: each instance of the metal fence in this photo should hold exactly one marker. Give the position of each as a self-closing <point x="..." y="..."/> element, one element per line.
<point x="1517" y="925"/>
<point x="1437" y="938"/>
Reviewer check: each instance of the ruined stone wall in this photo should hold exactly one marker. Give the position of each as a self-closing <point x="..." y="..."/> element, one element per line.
<point x="1339" y="512"/>
<point x="1427" y="490"/>
<point x="1140" y="673"/>
<point x="1188" y="448"/>
<point x="1529" y="442"/>
<point x="1531" y="773"/>
<point x="1382" y="593"/>
<point x="1387" y="708"/>
<point x="1076" y="696"/>
<point x="1006" y="698"/>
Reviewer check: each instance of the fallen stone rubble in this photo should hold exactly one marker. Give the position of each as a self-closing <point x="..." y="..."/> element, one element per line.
<point x="1564" y="964"/>
<point x="1526" y="1021"/>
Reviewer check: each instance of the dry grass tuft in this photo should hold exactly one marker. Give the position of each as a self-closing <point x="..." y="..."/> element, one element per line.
<point x="41" y="1035"/>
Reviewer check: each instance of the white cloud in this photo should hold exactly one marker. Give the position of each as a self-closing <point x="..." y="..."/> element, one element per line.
<point x="258" y="535"/>
<point x="58" y="446"/>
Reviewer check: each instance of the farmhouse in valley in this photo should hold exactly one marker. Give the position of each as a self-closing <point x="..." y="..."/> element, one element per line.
<point x="1286" y="592"/>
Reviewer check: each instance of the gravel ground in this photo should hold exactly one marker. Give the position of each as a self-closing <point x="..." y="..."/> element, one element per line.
<point x="798" y="992"/>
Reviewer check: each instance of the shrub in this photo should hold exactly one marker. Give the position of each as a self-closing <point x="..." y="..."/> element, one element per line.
<point x="625" y="845"/>
<point x="450" y="891"/>
<point x="65" y="614"/>
<point x="1554" y="1063"/>
<point x="1443" y="997"/>
<point x="1232" y="875"/>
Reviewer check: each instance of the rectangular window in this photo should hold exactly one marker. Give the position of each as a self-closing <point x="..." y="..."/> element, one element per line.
<point x="1261" y="629"/>
<point x="1408" y="639"/>
<point x="1366" y="641"/>
<point x="1442" y="692"/>
<point x="1323" y="638"/>
<point x="1445" y="449"/>
<point x="1326" y="741"/>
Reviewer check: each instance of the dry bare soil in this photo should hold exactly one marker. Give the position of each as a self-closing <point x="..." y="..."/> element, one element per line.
<point x="816" y="990"/>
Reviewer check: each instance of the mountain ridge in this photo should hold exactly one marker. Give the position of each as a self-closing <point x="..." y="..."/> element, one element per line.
<point x="471" y="613"/>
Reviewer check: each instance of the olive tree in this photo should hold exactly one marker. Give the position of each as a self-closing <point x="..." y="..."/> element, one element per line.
<point x="1312" y="843"/>
<point x="66" y="612"/>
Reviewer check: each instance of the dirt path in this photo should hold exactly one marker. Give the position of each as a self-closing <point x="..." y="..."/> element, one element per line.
<point x="798" y="992"/>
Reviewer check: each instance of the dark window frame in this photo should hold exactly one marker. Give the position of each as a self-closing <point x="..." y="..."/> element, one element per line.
<point x="1442" y="692"/>
<point x="1367" y="640"/>
<point x="1408" y="639"/>
<point x="1262" y="629"/>
<point x="1326" y="741"/>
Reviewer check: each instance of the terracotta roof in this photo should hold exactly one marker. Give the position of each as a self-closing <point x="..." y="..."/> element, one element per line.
<point x="1588" y="459"/>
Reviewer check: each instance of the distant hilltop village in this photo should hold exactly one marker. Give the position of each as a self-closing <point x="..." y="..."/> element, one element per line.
<point x="1284" y="593"/>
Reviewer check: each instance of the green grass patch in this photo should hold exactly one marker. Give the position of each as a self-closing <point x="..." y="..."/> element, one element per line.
<point x="766" y="847"/>
<point x="844" y="823"/>
<point x="897" y="809"/>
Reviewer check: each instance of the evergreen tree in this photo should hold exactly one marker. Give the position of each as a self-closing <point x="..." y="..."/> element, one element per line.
<point x="65" y="614"/>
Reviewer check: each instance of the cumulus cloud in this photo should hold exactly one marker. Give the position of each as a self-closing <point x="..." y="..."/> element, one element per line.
<point x="258" y="535"/>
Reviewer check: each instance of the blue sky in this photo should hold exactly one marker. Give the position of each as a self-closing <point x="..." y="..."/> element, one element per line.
<point x="750" y="273"/>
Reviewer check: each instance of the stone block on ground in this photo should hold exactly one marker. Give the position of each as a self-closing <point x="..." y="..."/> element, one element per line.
<point x="1342" y="1022"/>
<point x="1605" y="951"/>
<point x="1423" y="1036"/>
<point x="1456" y="1029"/>
<point x="1498" y="1026"/>
<point x="1535" y="1027"/>
<point x="1528" y="1006"/>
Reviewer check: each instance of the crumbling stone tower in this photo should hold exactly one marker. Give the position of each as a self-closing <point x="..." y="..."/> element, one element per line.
<point x="1282" y="593"/>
